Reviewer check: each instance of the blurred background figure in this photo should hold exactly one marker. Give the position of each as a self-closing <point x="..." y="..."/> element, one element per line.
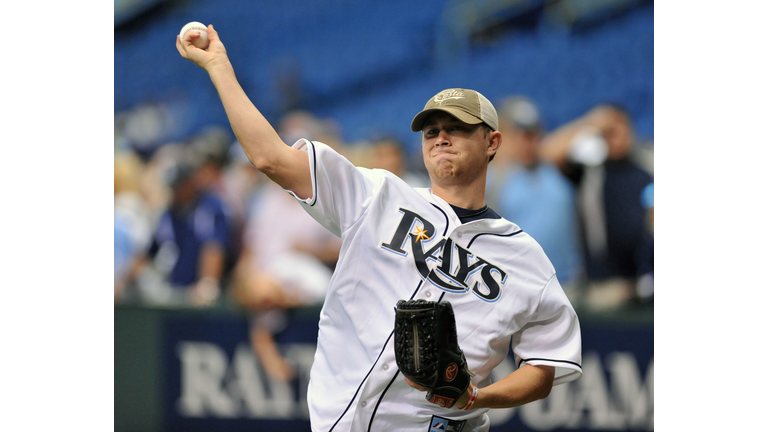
<point x="219" y="174"/>
<point x="298" y="124"/>
<point x="211" y="147"/>
<point x="645" y="254"/>
<point x="186" y="259"/>
<point x="594" y="151"/>
<point x="240" y="181"/>
<point x="532" y="192"/>
<point x="286" y="261"/>
<point x="389" y="153"/>
<point x="133" y="224"/>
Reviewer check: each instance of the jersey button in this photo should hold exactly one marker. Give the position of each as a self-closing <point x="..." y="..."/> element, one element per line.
<point x="460" y="234"/>
<point x="363" y="404"/>
<point x="428" y="294"/>
<point x="385" y="367"/>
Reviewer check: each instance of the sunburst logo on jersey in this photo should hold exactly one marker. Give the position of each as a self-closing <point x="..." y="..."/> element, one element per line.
<point x="421" y="234"/>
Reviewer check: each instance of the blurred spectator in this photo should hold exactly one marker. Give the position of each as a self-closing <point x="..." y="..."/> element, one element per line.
<point x="132" y="220"/>
<point x="287" y="258"/>
<point x="388" y="153"/>
<point x="240" y="180"/>
<point x="212" y="147"/>
<point x="154" y="179"/>
<point x="533" y="193"/>
<point x="286" y="262"/>
<point x="299" y="124"/>
<point x="186" y="259"/>
<point x="593" y="151"/>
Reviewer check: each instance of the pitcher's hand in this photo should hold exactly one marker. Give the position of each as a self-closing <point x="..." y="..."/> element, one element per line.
<point x="215" y="55"/>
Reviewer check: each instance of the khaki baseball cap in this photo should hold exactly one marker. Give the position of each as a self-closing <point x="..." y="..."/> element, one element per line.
<point x="466" y="105"/>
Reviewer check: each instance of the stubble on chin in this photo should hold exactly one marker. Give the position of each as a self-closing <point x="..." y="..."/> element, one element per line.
<point x="445" y="170"/>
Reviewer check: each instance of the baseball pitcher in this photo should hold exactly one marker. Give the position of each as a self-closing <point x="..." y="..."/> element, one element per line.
<point x="431" y="288"/>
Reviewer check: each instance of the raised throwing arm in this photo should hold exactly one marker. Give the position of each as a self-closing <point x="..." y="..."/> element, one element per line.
<point x="265" y="149"/>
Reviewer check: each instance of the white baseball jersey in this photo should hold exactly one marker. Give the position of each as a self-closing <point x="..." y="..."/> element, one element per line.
<point x="404" y="243"/>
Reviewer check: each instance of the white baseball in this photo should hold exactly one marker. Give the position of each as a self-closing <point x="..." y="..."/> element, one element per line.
<point x="202" y="41"/>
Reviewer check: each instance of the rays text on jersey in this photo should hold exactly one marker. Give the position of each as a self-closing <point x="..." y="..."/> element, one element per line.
<point x="453" y="267"/>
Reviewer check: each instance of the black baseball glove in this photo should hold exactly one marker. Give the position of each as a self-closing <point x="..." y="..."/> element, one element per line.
<point x="427" y="350"/>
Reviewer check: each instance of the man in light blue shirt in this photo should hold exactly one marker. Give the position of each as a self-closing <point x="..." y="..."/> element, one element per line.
<point x="533" y="193"/>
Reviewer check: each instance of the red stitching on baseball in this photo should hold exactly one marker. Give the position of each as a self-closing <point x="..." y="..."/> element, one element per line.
<point x="201" y="29"/>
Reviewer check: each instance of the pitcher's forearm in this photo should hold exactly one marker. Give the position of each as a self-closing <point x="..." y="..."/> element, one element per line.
<point x="525" y="385"/>
<point x="257" y="136"/>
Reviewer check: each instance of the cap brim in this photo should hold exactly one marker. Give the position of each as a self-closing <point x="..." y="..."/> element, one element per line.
<point x="418" y="122"/>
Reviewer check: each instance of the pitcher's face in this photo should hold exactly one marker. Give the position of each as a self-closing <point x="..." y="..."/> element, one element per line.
<point x="454" y="150"/>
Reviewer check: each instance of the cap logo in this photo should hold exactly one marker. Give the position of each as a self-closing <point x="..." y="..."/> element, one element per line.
<point x="448" y="94"/>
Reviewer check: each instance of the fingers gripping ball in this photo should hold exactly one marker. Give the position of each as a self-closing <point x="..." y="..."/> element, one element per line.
<point x="427" y="350"/>
<point x="194" y="26"/>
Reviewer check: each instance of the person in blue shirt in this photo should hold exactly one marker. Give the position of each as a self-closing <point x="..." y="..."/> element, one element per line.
<point x="193" y="238"/>
<point x="595" y="152"/>
<point x="532" y="193"/>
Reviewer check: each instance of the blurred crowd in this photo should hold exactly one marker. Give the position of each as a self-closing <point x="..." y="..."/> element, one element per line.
<point x="196" y="224"/>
